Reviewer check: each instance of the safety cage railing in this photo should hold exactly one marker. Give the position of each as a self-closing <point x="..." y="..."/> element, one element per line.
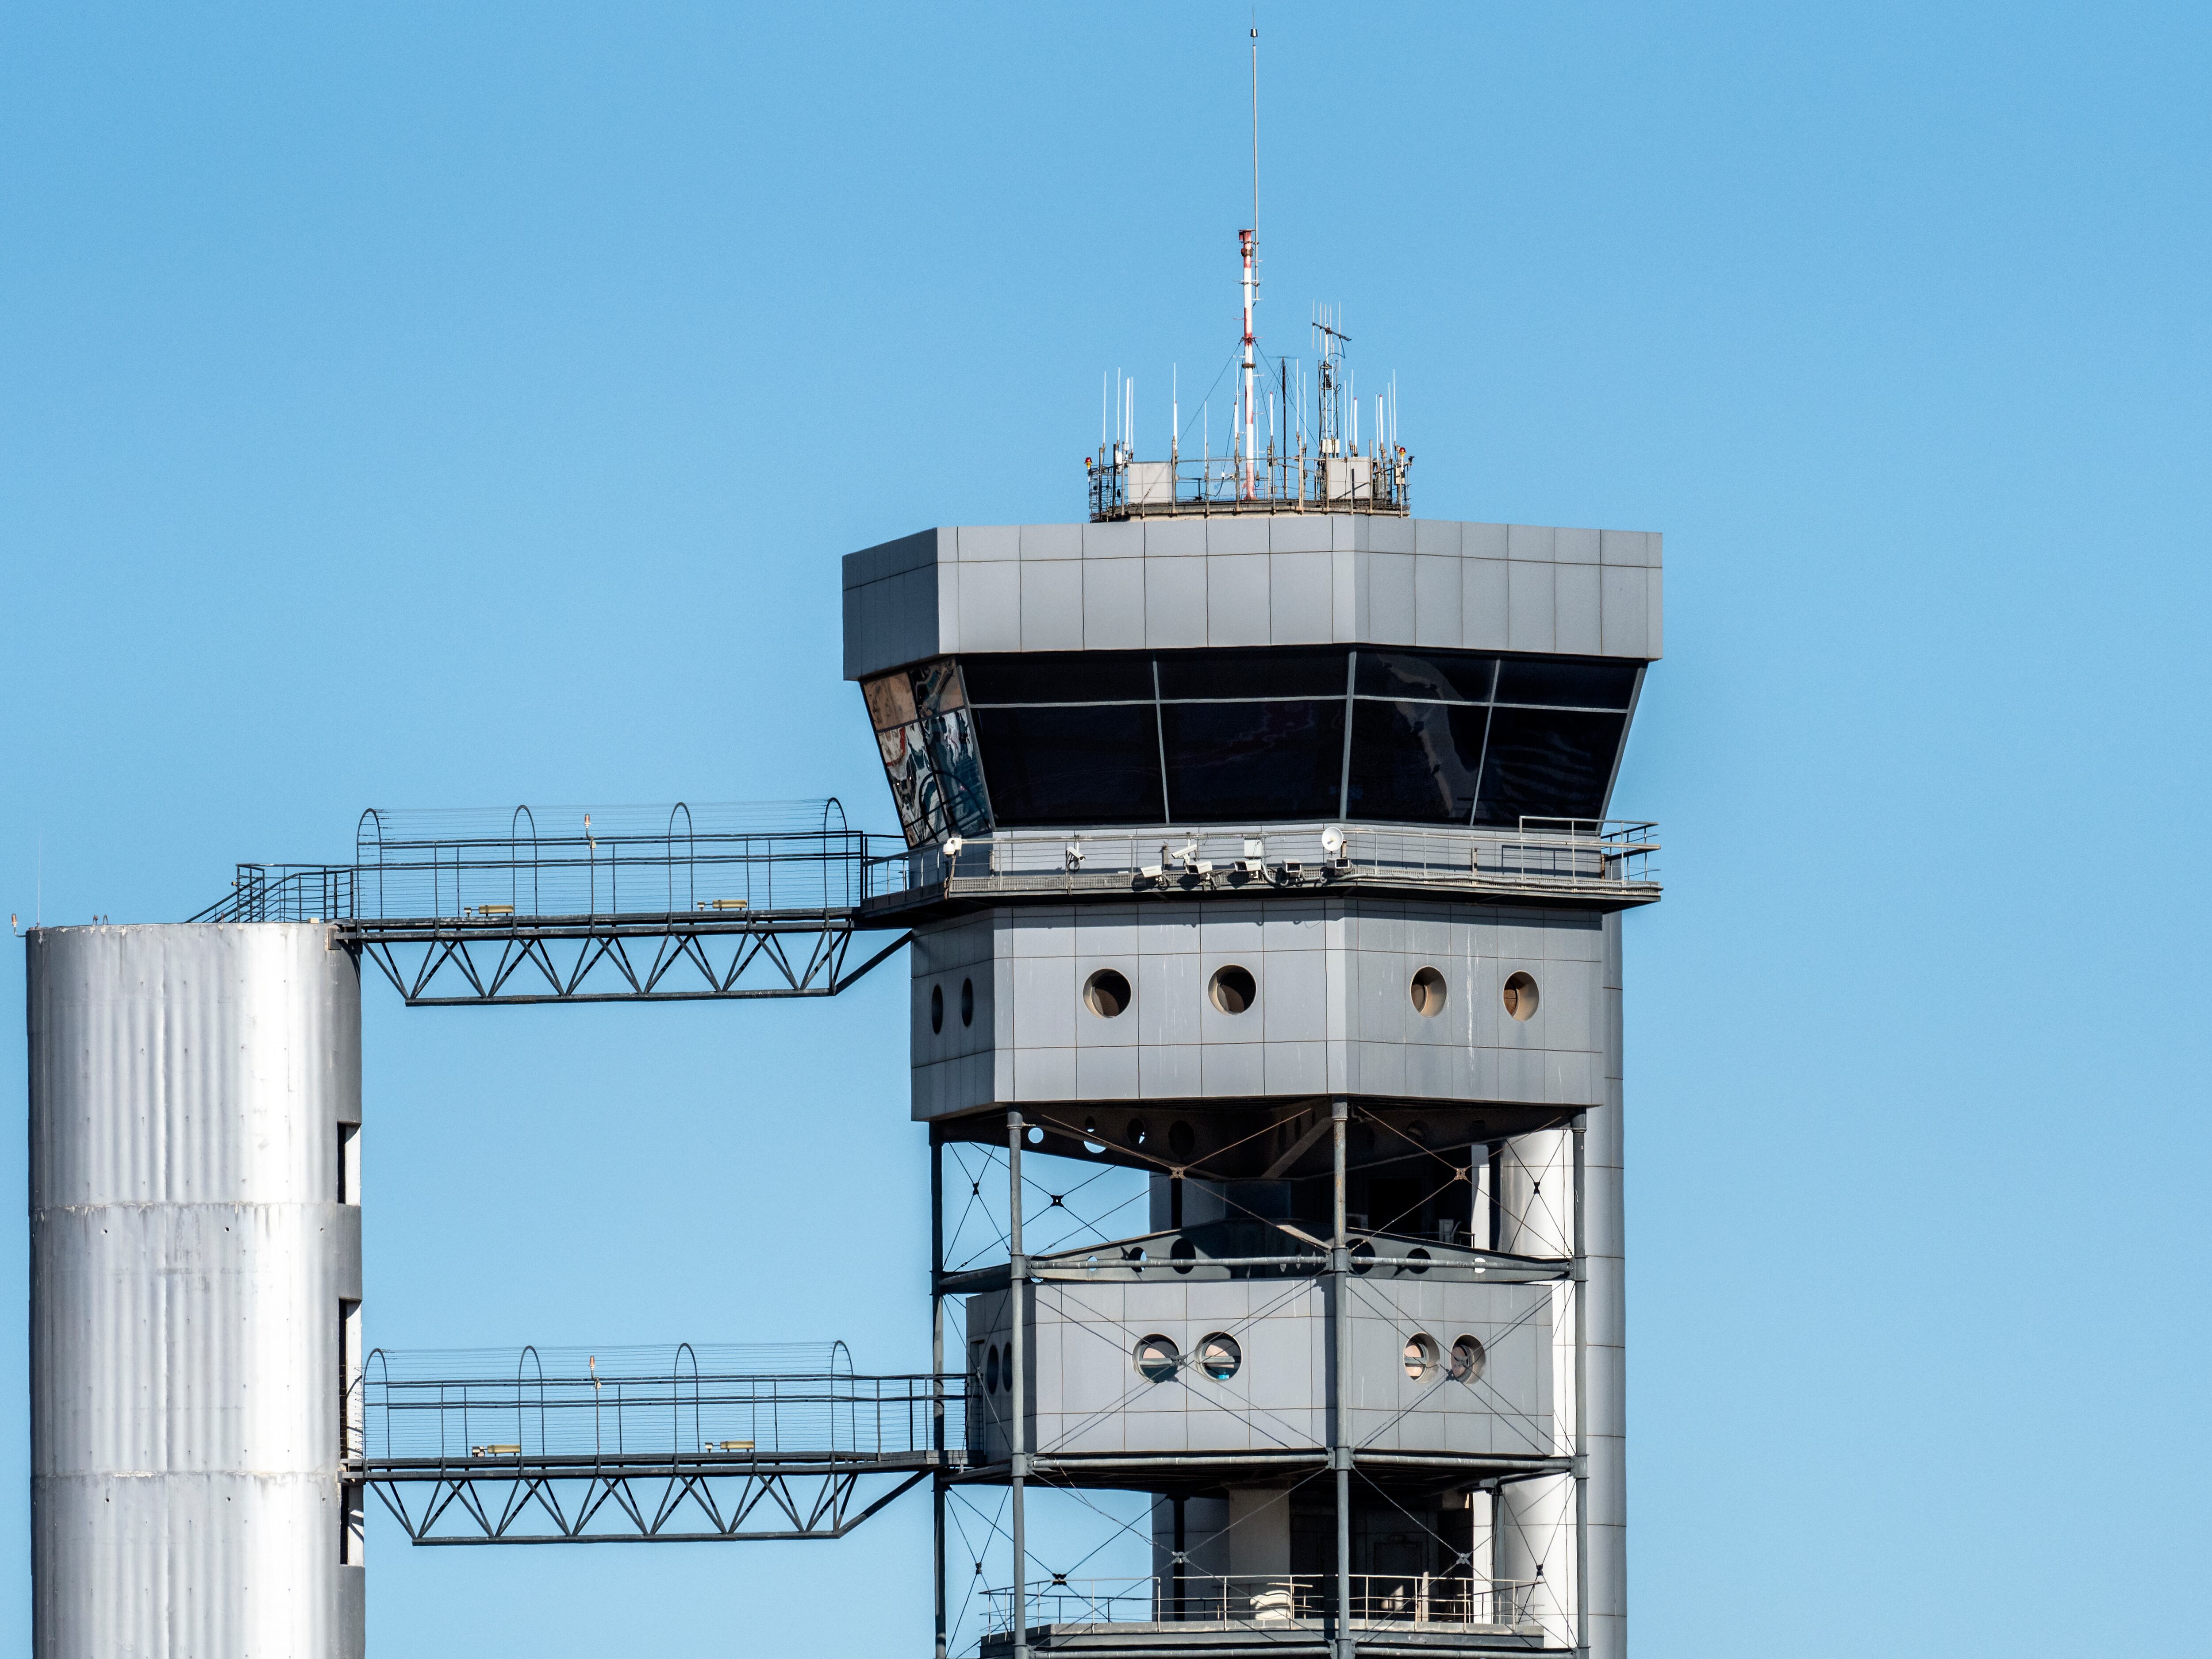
<point x="723" y="862"/>
<point x="738" y="1404"/>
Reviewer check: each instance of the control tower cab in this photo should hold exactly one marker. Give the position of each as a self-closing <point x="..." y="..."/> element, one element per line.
<point x="1264" y="846"/>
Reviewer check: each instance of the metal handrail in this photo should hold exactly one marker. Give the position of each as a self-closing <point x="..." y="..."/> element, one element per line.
<point x="1579" y="852"/>
<point x="1266" y="1600"/>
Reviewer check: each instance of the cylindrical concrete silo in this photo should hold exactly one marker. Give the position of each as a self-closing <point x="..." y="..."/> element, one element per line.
<point x="194" y="1292"/>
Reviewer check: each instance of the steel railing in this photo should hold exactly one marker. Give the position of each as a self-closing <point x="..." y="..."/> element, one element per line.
<point x="1377" y="1599"/>
<point x="1539" y="854"/>
<point x="564" y="1406"/>
<point x="535" y="862"/>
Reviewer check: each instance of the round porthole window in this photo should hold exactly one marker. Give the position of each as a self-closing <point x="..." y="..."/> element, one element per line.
<point x="1233" y="990"/>
<point x="1468" y="1360"/>
<point x="1155" y="1359"/>
<point x="1521" y="996"/>
<point x="1423" y="1357"/>
<point x="1106" y="993"/>
<point x="1428" y="992"/>
<point x="1219" y="1356"/>
<point x="1182" y="1138"/>
<point x="936" y="1007"/>
<point x="967" y="1002"/>
<point x="1183" y="1256"/>
<point x="991" y="1371"/>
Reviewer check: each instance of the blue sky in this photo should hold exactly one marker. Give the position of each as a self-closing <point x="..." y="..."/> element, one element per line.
<point x="429" y="406"/>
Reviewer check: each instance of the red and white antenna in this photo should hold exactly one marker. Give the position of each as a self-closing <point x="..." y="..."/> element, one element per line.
<point x="1248" y="241"/>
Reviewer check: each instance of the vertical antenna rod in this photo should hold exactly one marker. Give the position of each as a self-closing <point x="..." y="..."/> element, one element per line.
<point x="1249" y="241"/>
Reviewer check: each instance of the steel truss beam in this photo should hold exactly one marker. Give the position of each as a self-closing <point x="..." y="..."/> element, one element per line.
<point x="681" y="957"/>
<point x="521" y="1501"/>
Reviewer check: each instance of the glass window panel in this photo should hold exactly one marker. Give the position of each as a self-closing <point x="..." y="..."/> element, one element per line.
<point x="914" y="785"/>
<point x="952" y="745"/>
<point x="1548" y="764"/>
<point x="1565" y="682"/>
<point x="1257" y="673"/>
<point x="1066" y="766"/>
<point x="1242" y="762"/>
<point x="1059" y="677"/>
<point x="890" y="699"/>
<point x="1415" y="763"/>
<point x="936" y="687"/>
<point x="1443" y="676"/>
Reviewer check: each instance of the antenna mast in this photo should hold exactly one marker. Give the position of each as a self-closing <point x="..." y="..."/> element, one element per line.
<point x="1249" y="241"/>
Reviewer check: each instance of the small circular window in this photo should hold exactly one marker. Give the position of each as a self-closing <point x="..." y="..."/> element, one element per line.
<point x="1428" y="992"/>
<point x="967" y="1002"/>
<point x="1136" y="1132"/>
<point x="936" y="1007"/>
<point x="1219" y="1356"/>
<point x="1106" y="993"/>
<point x="1423" y="1357"/>
<point x="1155" y="1359"/>
<point x="1233" y="990"/>
<point x="1182" y="1138"/>
<point x="1468" y="1360"/>
<point x="1521" y="996"/>
<point x="1183" y="1256"/>
<point x="991" y="1371"/>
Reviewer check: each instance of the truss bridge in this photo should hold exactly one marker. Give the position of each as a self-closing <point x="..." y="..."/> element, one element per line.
<point x="683" y="1444"/>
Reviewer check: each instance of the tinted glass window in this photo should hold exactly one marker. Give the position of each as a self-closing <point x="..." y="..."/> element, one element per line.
<point x="1565" y="682"/>
<point x="1052" y="766"/>
<point x="1267" y="673"/>
<point x="1230" y="763"/>
<point x="1547" y="762"/>
<point x="1415" y="763"/>
<point x="1058" y="677"/>
<point x="1448" y="675"/>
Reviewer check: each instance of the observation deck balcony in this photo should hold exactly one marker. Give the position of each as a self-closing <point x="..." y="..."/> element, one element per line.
<point x="1583" y="864"/>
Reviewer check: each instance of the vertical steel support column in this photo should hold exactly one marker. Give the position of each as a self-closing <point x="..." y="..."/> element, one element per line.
<point x="1018" y="1462"/>
<point x="1339" y="1420"/>
<point x="1607" y="1421"/>
<point x="937" y="1375"/>
<point x="1581" y="1273"/>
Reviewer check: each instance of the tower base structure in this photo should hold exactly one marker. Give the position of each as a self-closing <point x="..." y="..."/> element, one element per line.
<point x="195" y="1114"/>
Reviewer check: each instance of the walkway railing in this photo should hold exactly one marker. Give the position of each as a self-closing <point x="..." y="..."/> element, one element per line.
<point x="565" y="1405"/>
<point x="537" y="862"/>
<point x="1585" y="857"/>
<point x="1377" y="1600"/>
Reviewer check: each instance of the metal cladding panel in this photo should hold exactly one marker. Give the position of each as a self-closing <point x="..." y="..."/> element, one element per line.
<point x="1285" y="578"/>
<point x="188" y="1256"/>
<point x="1332" y="1010"/>
<point x="1087" y="1396"/>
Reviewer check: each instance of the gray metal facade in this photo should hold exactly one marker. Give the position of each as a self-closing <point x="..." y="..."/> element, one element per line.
<point x="1332" y="1015"/>
<point x="1291" y="578"/>
<point x="194" y="1104"/>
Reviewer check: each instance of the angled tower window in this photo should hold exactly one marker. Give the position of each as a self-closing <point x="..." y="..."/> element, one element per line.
<point x="1547" y="762"/>
<point x="1073" y="764"/>
<point x="928" y="741"/>
<point x="1415" y="763"/>
<point x="1247" y="762"/>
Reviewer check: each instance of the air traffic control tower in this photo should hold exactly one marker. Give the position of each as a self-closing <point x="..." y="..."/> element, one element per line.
<point x="1259" y="842"/>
